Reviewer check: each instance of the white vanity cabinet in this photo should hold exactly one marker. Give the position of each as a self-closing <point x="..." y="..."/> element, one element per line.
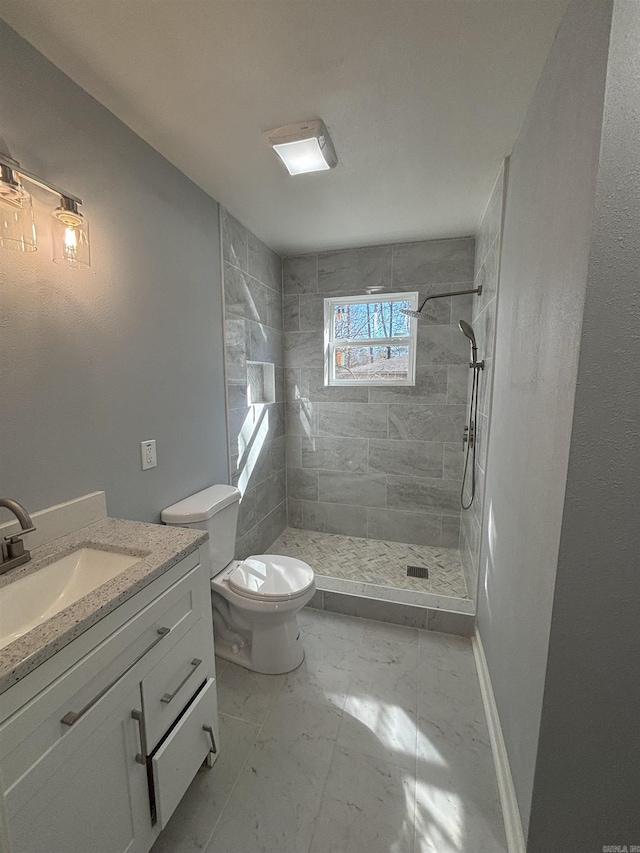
<point x="99" y="743"/>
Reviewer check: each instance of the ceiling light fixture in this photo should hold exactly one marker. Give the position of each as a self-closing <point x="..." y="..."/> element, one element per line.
<point x="17" y="230"/>
<point x="303" y="147"/>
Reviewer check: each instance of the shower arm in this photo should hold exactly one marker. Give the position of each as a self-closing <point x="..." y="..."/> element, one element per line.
<point x="477" y="290"/>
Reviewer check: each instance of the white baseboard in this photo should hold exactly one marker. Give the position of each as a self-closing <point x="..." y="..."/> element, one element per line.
<point x="58" y="520"/>
<point x="510" y="810"/>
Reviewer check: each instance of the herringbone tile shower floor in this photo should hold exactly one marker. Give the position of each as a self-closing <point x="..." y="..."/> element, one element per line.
<point x="375" y="561"/>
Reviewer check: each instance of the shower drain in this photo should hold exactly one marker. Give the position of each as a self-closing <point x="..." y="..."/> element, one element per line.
<point x="417" y="572"/>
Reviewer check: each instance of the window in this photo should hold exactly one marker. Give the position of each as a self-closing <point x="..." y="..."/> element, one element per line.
<point x="369" y="341"/>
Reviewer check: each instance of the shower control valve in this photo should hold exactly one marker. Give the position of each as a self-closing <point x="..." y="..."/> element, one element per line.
<point x="469" y="435"/>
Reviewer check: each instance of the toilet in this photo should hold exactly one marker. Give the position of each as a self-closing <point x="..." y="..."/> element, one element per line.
<point x="255" y="601"/>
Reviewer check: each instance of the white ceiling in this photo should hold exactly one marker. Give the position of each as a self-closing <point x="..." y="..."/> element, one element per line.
<point x="422" y="100"/>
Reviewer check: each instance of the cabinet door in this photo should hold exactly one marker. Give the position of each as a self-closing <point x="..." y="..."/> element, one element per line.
<point x="97" y="800"/>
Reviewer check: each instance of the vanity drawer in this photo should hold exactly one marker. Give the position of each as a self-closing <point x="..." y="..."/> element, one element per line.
<point x="174" y="680"/>
<point x="177" y="760"/>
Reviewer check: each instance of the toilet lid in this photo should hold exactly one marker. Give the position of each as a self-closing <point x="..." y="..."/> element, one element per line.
<point x="271" y="577"/>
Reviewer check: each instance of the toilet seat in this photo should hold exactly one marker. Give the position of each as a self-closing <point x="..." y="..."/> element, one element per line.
<point x="270" y="577"/>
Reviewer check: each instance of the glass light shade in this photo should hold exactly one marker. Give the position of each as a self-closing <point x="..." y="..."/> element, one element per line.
<point x="302" y="156"/>
<point x="70" y="232"/>
<point x="17" y="228"/>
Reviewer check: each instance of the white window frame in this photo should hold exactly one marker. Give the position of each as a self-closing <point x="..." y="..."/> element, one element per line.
<point x="331" y="343"/>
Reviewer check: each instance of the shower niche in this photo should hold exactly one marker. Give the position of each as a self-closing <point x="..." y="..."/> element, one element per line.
<point x="261" y="383"/>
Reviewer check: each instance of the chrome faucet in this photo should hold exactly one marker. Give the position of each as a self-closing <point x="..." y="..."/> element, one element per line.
<point x="13" y="553"/>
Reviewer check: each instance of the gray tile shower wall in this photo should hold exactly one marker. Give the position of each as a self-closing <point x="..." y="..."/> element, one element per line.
<point x="380" y="463"/>
<point x="252" y="281"/>
<point x="484" y="309"/>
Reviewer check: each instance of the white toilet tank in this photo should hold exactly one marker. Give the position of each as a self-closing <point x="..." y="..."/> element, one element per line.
<point x="215" y="510"/>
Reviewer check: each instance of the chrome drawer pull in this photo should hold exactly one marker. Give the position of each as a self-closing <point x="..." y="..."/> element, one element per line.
<point x="73" y="716"/>
<point x="195" y="663"/>
<point x="209" y="729"/>
<point x="141" y="757"/>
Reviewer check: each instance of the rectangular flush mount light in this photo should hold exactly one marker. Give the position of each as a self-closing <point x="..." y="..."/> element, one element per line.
<point x="303" y="147"/>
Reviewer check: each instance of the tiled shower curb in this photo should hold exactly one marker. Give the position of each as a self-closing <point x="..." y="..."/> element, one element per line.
<point x="401" y="607"/>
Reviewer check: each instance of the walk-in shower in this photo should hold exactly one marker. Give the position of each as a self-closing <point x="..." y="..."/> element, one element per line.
<point x="373" y="468"/>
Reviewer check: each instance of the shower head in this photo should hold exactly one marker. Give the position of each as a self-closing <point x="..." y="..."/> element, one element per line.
<point x="411" y="313"/>
<point x="466" y="329"/>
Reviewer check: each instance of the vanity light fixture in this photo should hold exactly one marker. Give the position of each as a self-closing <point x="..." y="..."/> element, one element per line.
<point x="303" y="147"/>
<point x="70" y="229"/>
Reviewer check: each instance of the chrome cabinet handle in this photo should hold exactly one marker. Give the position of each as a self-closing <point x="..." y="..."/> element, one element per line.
<point x="209" y="729"/>
<point x="141" y="757"/>
<point x="195" y="663"/>
<point x="72" y="717"/>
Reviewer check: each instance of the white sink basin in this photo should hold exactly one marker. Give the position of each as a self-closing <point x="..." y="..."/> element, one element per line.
<point x="31" y="600"/>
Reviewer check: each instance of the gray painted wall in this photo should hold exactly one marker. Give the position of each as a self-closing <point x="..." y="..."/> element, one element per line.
<point x="252" y="275"/>
<point x="483" y="311"/>
<point x="587" y="788"/>
<point x="547" y="233"/>
<point x="95" y="362"/>
<point x="375" y="462"/>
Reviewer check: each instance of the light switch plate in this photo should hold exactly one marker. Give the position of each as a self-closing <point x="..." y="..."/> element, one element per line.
<point x="148" y="454"/>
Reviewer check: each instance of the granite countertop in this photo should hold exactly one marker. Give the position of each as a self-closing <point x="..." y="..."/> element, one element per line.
<point x="159" y="547"/>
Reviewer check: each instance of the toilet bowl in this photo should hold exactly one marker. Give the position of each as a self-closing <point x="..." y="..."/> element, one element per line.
<point x="255" y="601"/>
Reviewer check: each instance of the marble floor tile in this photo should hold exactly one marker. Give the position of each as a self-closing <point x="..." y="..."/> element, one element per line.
<point x="386" y="671"/>
<point x="324" y="683"/>
<point x="387" y="653"/>
<point x="194" y="820"/>
<point x="449" y="688"/>
<point x="377" y="743"/>
<point x="377" y="726"/>
<point x="367" y="807"/>
<point x="457" y="800"/>
<point x="379" y="718"/>
<point x="331" y="644"/>
<point x="393" y="633"/>
<point x="300" y="727"/>
<point x="325" y="674"/>
<point x="247" y="695"/>
<point x="447" y="658"/>
<point x="221" y="665"/>
<point x="278" y="793"/>
<point x="327" y="625"/>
